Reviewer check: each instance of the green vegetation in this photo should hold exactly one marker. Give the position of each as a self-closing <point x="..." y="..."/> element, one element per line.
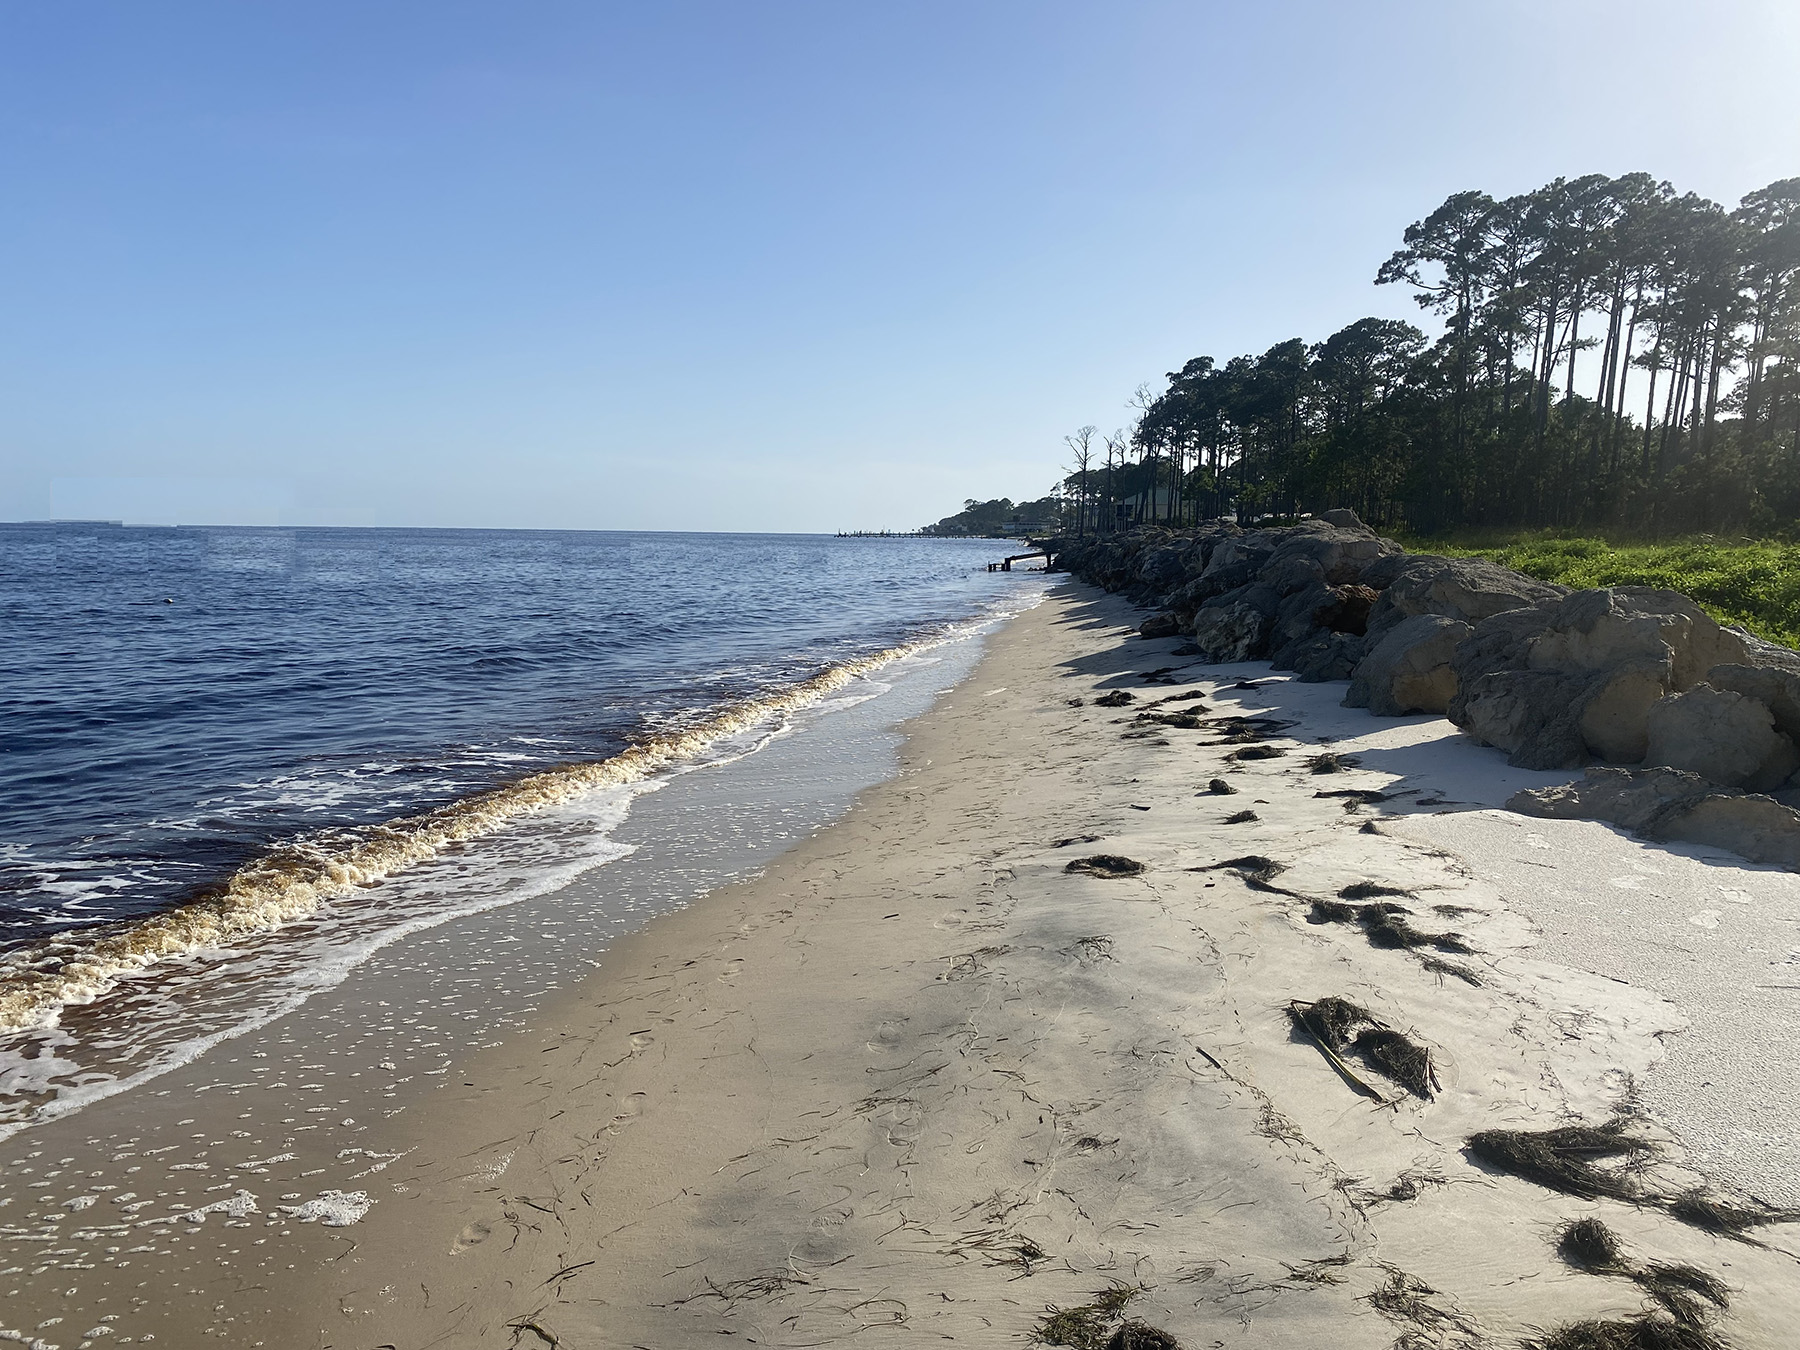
<point x="1615" y="355"/>
<point x="1753" y="582"/>
<point x="1002" y="518"/>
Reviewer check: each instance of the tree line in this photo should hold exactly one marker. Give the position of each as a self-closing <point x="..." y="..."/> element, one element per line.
<point x="1613" y="354"/>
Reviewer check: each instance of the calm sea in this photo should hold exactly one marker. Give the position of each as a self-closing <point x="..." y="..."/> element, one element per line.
<point x="219" y="744"/>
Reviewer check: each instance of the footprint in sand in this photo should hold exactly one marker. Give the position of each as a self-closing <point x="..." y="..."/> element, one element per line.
<point x="629" y="1110"/>
<point x="1706" y="918"/>
<point x="473" y="1235"/>
<point x="1736" y="897"/>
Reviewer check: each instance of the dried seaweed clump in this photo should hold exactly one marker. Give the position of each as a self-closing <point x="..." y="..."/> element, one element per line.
<point x="1398" y="1057"/>
<point x="1333" y="1020"/>
<point x="1562" y="1159"/>
<point x="1644" y="1332"/>
<point x="1406" y="1298"/>
<point x="1136" y="1335"/>
<point x="1680" y="1288"/>
<point x="1715" y="1216"/>
<point x="1330" y="762"/>
<point x="1369" y="890"/>
<point x="1256" y="752"/>
<point x="1591" y="1245"/>
<point x="1391" y="1053"/>
<point x="1091" y="1326"/>
<point x="1117" y="699"/>
<point x="1683" y="1291"/>
<point x="1257" y="871"/>
<point x="1106" y="865"/>
<point x="1187" y="720"/>
<point x="1385" y="925"/>
<point x="1241" y="817"/>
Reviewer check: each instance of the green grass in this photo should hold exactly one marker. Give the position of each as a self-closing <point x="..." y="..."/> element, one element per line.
<point x="1753" y="582"/>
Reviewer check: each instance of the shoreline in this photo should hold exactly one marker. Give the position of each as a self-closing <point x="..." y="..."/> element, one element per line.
<point x="915" y="1077"/>
<point x="271" y="1134"/>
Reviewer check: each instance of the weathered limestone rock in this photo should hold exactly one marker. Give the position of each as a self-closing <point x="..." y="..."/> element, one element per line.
<point x="1341" y="555"/>
<point x="1324" y="656"/>
<point x="1616" y="706"/>
<point x="1469" y="589"/>
<point x="1533" y="715"/>
<point x="1620" y="649"/>
<point x="1408" y="669"/>
<point x="1601" y="629"/>
<point x="1753" y="827"/>
<point x="1234" y="631"/>
<point x="1636" y="799"/>
<point x="1670" y="805"/>
<point x="1292" y="572"/>
<point x="1775" y="688"/>
<point x="1160" y="626"/>
<point x="1722" y="736"/>
<point x="1309" y="617"/>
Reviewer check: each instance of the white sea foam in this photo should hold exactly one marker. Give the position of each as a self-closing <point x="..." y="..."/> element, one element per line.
<point x="332" y="1209"/>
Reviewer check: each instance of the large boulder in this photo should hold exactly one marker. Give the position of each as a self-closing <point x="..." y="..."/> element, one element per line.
<point x="1234" y="631"/>
<point x="1776" y="688"/>
<point x="1638" y="800"/>
<point x="1335" y="609"/>
<point x="1601" y="629"/>
<point x="1615" y="708"/>
<point x="1324" y="656"/>
<point x="1320" y="551"/>
<point x="1722" y="736"/>
<point x="1606" y="657"/>
<point x="1533" y="715"/>
<point x="1408" y="669"/>
<point x="1468" y="589"/>
<point x="1669" y="805"/>
<point x="1160" y="625"/>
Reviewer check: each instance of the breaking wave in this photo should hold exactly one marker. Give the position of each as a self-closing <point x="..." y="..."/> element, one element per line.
<point x="294" y="880"/>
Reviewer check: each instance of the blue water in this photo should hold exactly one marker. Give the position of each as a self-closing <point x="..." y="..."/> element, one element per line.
<point x="176" y="702"/>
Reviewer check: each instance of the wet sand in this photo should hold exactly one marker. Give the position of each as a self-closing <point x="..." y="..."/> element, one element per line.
<point x="919" y="1081"/>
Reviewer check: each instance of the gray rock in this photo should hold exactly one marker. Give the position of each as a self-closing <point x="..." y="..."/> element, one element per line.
<point x="1250" y="551"/>
<point x="1160" y="626"/>
<point x="1533" y="715"/>
<point x="1345" y="519"/>
<point x="1292" y="572"/>
<point x="1304" y="613"/>
<point x="1670" y="805"/>
<point x="1751" y="826"/>
<point x="1408" y="669"/>
<point x="1636" y="799"/>
<point x="1341" y="555"/>
<point x="1776" y="688"/>
<point x="1616" y="706"/>
<point x="1601" y="629"/>
<point x="1323" y="656"/>
<point x="1469" y="589"/>
<point x="1234" y="631"/>
<point x="1722" y="736"/>
<point x="1500" y="642"/>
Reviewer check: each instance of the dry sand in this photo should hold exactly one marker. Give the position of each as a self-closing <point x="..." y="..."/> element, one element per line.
<point x="919" y="1082"/>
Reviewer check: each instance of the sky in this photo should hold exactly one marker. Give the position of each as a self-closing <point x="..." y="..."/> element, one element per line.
<point x="735" y="265"/>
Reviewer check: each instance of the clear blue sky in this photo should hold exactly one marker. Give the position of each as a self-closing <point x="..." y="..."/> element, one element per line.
<point x="747" y="264"/>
